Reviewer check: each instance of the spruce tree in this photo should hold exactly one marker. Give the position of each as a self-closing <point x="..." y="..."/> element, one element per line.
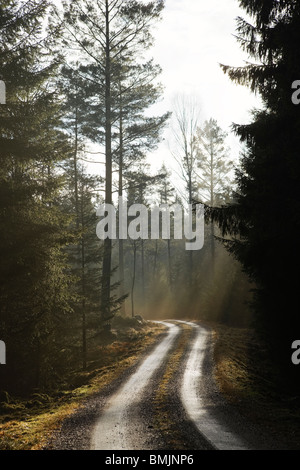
<point x="34" y="292"/>
<point x="84" y="255"/>
<point x="264" y="221"/>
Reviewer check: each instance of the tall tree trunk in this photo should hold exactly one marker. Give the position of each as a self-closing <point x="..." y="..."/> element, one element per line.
<point x="143" y="272"/>
<point x="170" y="265"/>
<point x="190" y="254"/>
<point x="212" y="203"/>
<point x="155" y="259"/>
<point x="121" y="242"/>
<point x="83" y="284"/>
<point x="106" y="269"/>
<point x="133" y="279"/>
<point x="81" y="254"/>
<point x="76" y="170"/>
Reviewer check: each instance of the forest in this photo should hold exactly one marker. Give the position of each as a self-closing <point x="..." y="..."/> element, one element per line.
<point x="78" y="82"/>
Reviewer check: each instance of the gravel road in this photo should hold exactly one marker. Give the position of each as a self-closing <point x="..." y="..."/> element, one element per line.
<point x="193" y="416"/>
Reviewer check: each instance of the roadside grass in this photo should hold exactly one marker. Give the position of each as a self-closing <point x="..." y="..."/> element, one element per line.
<point x="242" y="373"/>
<point x="244" y="376"/>
<point x="27" y="424"/>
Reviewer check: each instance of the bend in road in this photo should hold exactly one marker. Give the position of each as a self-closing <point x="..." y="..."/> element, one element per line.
<point x="119" y="427"/>
<point x="217" y="433"/>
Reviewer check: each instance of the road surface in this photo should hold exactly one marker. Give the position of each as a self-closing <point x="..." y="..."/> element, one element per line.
<point x="114" y="428"/>
<point x="170" y="401"/>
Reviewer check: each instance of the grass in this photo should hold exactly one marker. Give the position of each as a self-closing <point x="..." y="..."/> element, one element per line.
<point x="27" y="424"/>
<point x="162" y="420"/>
<point x="242" y="372"/>
<point x="244" y="377"/>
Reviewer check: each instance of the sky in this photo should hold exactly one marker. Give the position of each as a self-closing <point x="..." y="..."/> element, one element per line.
<point x="192" y="39"/>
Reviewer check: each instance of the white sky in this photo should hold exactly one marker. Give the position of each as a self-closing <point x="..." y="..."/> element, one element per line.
<point x="192" y="39"/>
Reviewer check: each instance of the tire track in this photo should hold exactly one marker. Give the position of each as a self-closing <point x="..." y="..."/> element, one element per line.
<point x="119" y="427"/>
<point x="217" y="432"/>
<point x="169" y="417"/>
<point x="169" y="401"/>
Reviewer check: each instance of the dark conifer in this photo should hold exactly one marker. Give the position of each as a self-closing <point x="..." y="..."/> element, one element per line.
<point x="265" y="219"/>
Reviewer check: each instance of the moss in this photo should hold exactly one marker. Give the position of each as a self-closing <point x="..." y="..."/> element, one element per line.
<point x="28" y="424"/>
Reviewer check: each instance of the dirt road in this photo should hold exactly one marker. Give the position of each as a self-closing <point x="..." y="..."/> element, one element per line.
<point x="170" y="401"/>
<point x="119" y="427"/>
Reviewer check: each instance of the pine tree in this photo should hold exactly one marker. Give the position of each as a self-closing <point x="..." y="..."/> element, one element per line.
<point x="137" y="133"/>
<point x="214" y="165"/>
<point x="214" y="170"/>
<point x="167" y="195"/>
<point x="120" y="30"/>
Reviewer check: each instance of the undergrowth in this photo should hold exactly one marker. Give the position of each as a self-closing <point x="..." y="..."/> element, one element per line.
<point x="27" y="423"/>
<point x="246" y="377"/>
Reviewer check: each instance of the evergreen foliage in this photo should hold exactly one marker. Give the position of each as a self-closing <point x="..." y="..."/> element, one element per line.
<point x="35" y="294"/>
<point x="264" y="221"/>
<point x="120" y="87"/>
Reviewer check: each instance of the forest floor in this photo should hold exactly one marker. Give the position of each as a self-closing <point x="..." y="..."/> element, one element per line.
<point x="28" y="423"/>
<point x="243" y="374"/>
<point x="241" y="371"/>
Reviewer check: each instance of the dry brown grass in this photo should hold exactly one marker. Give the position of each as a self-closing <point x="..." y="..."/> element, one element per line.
<point x="162" y="420"/>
